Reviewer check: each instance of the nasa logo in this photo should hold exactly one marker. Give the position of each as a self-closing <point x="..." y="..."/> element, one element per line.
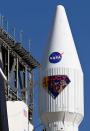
<point x="55" y="57"/>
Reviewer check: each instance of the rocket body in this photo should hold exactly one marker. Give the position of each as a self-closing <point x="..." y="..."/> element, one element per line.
<point x="61" y="93"/>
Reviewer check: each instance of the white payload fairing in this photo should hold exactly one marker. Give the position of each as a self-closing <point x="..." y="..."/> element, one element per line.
<point x="61" y="93"/>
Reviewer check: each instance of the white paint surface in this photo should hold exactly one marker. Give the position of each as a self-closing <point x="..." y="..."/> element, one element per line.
<point x="18" y="116"/>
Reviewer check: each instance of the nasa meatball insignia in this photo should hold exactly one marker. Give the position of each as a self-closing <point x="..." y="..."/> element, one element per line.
<point x="55" y="57"/>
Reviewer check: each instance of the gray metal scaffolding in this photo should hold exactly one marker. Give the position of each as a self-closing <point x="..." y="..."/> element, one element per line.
<point x="18" y="65"/>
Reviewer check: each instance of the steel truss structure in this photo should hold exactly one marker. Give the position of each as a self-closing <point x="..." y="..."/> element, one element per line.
<point x="18" y="65"/>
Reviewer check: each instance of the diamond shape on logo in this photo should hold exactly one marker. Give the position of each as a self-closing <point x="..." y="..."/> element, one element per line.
<point x="55" y="84"/>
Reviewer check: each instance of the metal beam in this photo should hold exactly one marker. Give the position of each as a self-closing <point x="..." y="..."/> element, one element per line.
<point x="3" y="109"/>
<point x="26" y="87"/>
<point x="8" y="70"/>
<point x="17" y="78"/>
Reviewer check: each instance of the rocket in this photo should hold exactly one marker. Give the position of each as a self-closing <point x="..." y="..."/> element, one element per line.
<point x="61" y="93"/>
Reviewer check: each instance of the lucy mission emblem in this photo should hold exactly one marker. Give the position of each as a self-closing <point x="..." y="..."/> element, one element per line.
<point x="56" y="83"/>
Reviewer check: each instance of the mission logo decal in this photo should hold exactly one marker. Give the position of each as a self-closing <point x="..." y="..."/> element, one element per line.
<point x="55" y="57"/>
<point x="55" y="84"/>
<point x="25" y="113"/>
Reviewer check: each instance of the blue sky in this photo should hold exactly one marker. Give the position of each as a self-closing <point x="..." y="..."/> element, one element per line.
<point x="34" y="17"/>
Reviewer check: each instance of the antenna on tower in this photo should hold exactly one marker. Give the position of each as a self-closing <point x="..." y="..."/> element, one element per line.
<point x="7" y="26"/>
<point x="29" y="45"/>
<point x="14" y="32"/>
<point x="2" y="20"/>
<point x="21" y="36"/>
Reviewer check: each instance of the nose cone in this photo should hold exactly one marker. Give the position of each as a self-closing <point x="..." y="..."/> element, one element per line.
<point x="61" y="51"/>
